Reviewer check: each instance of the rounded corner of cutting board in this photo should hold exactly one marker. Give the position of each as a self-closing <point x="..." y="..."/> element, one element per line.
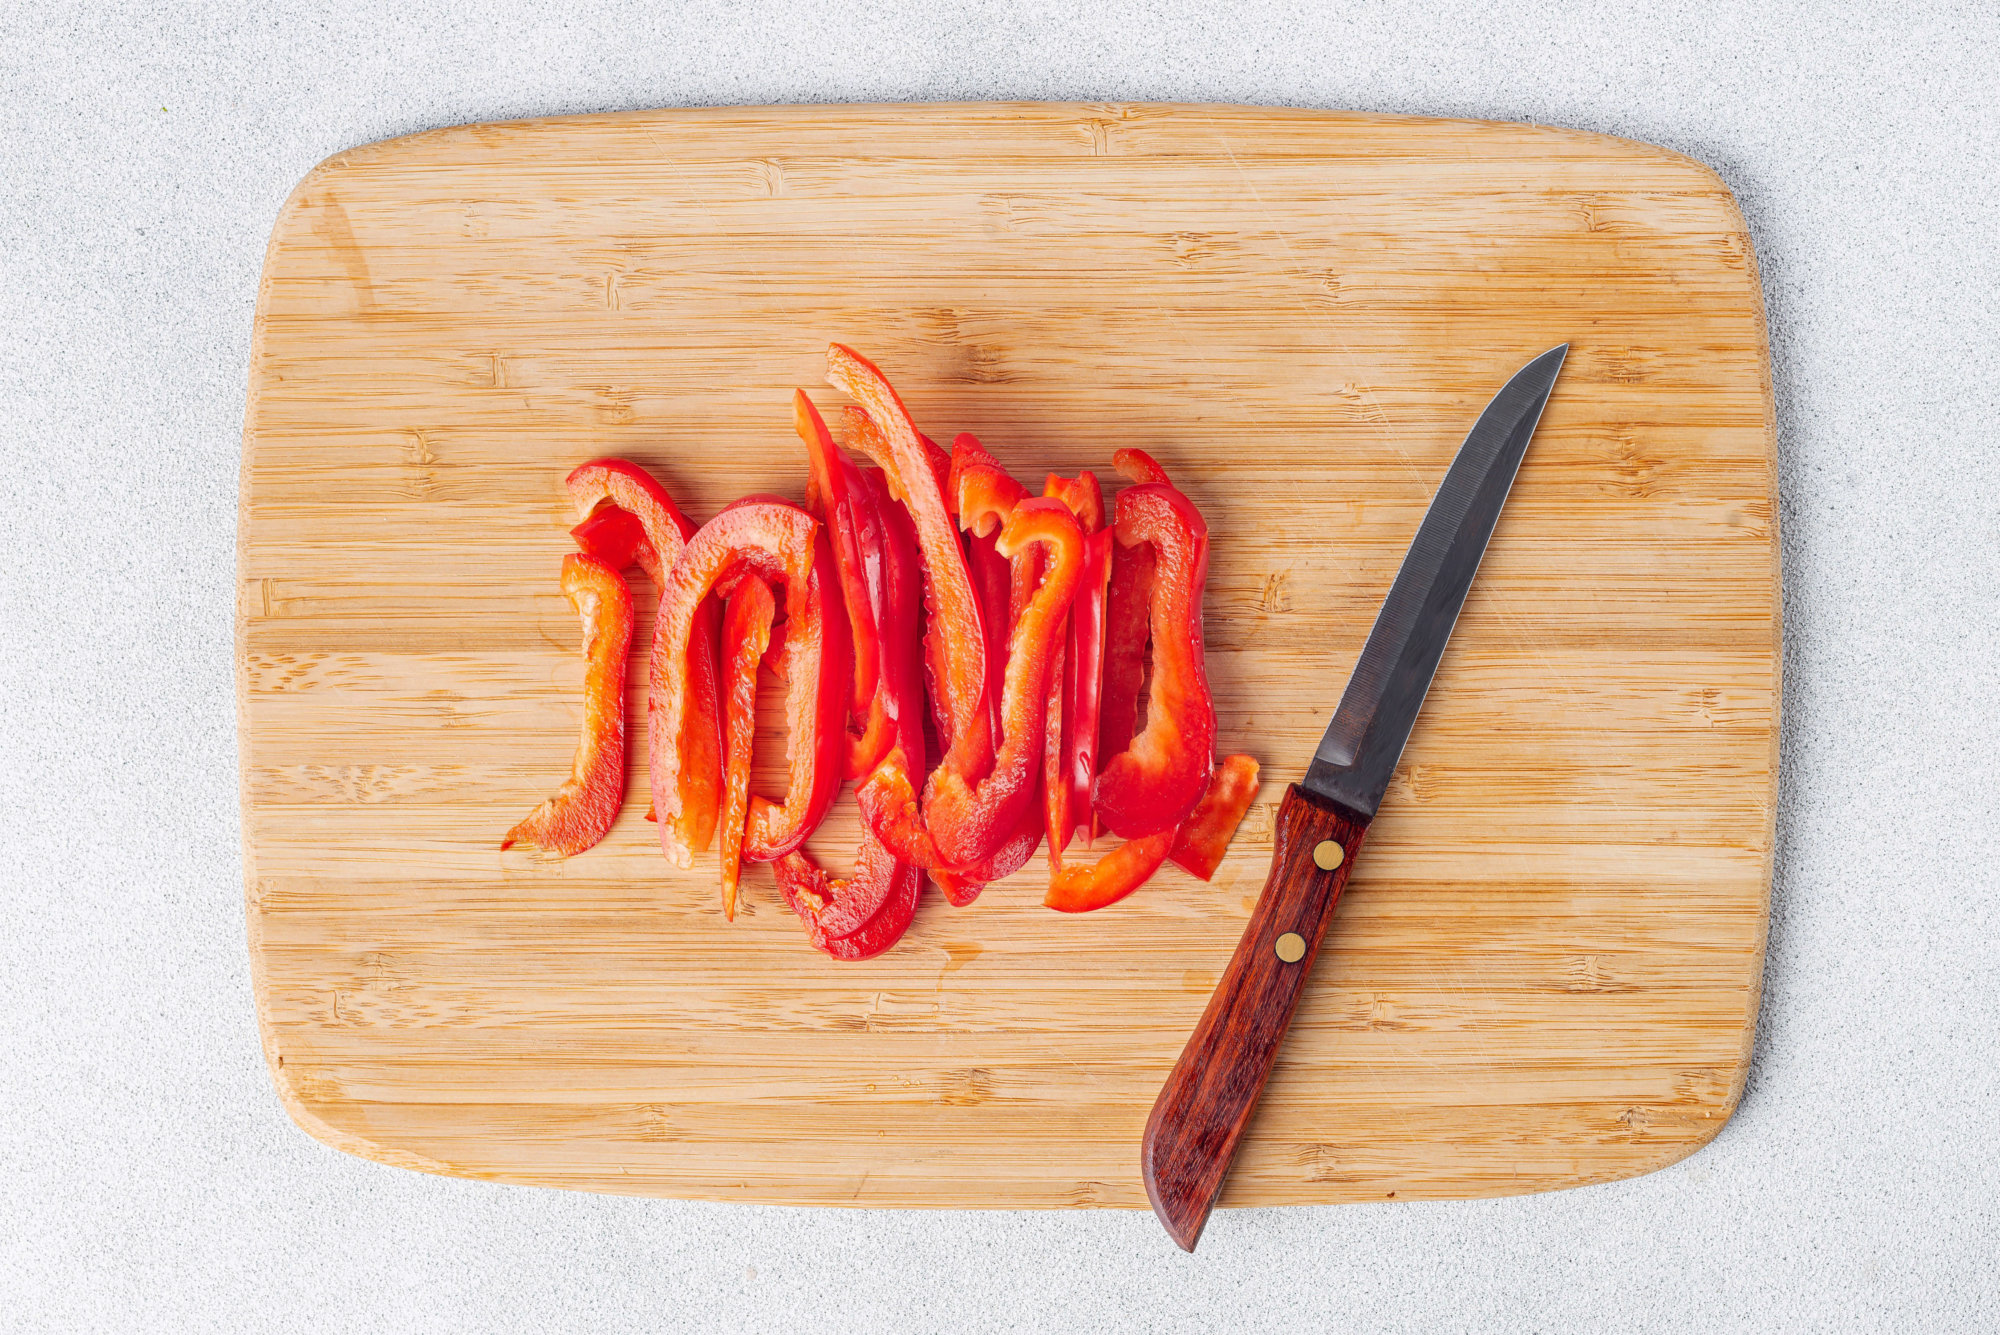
<point x="387" y="735"/>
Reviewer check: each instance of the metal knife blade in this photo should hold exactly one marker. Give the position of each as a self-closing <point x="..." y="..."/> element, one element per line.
<point x="1365" y="739"/>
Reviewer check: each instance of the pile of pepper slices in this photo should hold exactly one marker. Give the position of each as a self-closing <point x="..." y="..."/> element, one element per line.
<point x="1024" y="620"/>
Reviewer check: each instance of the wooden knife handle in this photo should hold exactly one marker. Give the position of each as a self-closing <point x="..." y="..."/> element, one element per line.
<point x="1200" y="1115"/>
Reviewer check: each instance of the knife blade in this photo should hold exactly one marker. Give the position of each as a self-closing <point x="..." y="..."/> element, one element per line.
<point x="1198" y="1119"/>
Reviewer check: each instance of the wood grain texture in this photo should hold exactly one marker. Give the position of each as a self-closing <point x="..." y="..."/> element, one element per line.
<point x="1545" y="970"/>
<point x="1199" y="1119"/>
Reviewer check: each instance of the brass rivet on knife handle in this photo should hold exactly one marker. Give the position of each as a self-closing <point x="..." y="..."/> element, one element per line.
<point x="1327" y="855"/>
<point x="1291" y="947"/>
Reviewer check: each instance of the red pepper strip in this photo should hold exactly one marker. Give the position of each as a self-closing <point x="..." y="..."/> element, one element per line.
<point x="1128" y="606"/>
<point x="772" y="540"/>
<point x="1055" y="785"/>
<point x="1153" y="784"/>
<point x="583" y="808"/>
<point x="853" y="514"/>
<point x="873" y="906"/>
<point x="1139" y="466"/>
<point x="816" y="666"/>
<point x="960" y="678"/>
<point x="1082" y="495"/>
<point x="632" y="489"/>
<point x="813" y="897"/>
<point x="962" y="885"/>
<point x="1204" y="836"/>
<point x="1142" y="467"/>
<point x="1075" y="693"/>
<point x="992" y="581"/>
<point x="858" y="432"/>
<point x="861" y="433"/>
<point x="1127" y="611"/>
<point x="1003" y="586"/>
<point x="829" y="495"/>
<point x="1079" y="888"/>
<point x="621" y="483"/>
<point x="962" y="820"/>
<point x="970" y="819"/>
<point x="613" y="536"/>
<point x="978" y="480"/>
<point x="1083" y="688"/>
<point x="746" y="636"/>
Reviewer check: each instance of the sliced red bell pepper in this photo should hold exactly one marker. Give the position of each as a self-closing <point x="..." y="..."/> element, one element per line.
<point x="1077" y="691"/>
<point x="1003" y="586"/>
<point x="962" y="885"/>
<point x="817" y="661"/>
<point x="604" y="485"/>
<point x="1082" y="495"/>
<point x="613" y="536"/>
<point x="1128" y="606"/>
<point x="962" y="820"/>
<point x="866" y="913"/>
<point x="854" y="520"/>
<point x="1055" y="783"/>
<point x="829" y="488"/>
<point x="878" y="876"/>
<point x="1139" y="466"/>
<point x="1083" y="699"/>
<point x="959" y="664"/>
<point x="1153" y="784"/>
<point x="746" y="636"/>
<point x="634" y="490"/>
<point x="777" y="541"/>
<point x="1081" y="887"/>
<point x="583" y="808"/>
<point x="1126" y="623"/>
<point x="1204" y="836"/>
<point x="860" y="433"/>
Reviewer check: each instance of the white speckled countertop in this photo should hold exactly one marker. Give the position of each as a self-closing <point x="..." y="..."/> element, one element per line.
<point x="151" y="1180"/>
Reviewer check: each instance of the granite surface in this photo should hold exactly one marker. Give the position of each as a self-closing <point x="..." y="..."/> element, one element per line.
<point x="151" y="1180"/>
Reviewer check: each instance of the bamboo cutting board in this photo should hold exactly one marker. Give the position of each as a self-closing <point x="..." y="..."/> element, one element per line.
<point x="1546" y="969"/>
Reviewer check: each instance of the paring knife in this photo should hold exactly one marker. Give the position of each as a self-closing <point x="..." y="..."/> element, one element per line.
<point x="1199" y="1117"/>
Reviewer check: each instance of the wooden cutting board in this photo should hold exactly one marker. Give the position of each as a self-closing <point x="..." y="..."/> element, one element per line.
<point x="1546" y="970"/>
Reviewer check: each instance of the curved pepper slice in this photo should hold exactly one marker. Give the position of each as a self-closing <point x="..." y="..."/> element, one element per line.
<point x="816" y="899"/>
<point x="962" y="820"/>
<point x="1003" y="586"/>
<point x="859" y="432"/>
<point x="635" y="491"/>
<point x="1076" y="692"/>
<point x="829" y="496"/>
<point x="746" y="638"/>
<point x="778" y="541"/>
<point x="1079" y="888"/>
<point x="1153" y="784"/>
<point x="605" y="486"/>
<point x="962" y="885"/>
<point x="583" y="808"/>
<point x="985" y="495"/>
<point x="959" y="664"/>
<point x="1204" y="836"/>
<point x="1128" y="606"/>
<point x="866" y="914"/>
<point x="1057" y="821"/>
<point x="817" y="661"/>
